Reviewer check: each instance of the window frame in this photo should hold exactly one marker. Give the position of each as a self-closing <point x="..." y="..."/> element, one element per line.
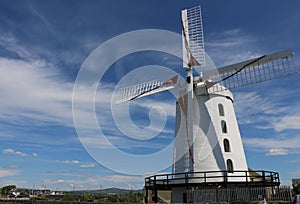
<point x="229" y="165"/>
<point x="221" y="109"/>
<point x="224" y="126"/>
<point x="226" y="145"/>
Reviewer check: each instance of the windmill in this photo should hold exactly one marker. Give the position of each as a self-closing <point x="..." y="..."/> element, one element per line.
<point x="207" y="137"/>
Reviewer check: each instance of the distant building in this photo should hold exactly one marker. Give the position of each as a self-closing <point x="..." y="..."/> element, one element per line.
<point x="296" y="182"/>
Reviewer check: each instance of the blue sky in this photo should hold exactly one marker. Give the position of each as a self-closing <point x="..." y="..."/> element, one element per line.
<point x="43" y="45"/>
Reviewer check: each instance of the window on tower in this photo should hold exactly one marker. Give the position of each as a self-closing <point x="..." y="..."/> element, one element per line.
<point x="229" y="166"/>
<point x="223" y="126"/>
<point x="226" y="145"/>
<point x="221" y="109"/>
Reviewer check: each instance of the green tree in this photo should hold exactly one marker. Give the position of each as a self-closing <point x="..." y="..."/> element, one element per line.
<point x="131" y="198"/>
<point x="5" y="190"/>
<point x="88" y="198"/>
<point x="113" y="198"/>
<point x="68" y="198"/>
<point x="296" y="189"/>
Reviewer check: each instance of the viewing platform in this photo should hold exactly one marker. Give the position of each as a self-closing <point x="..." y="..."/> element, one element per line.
<point x="213" y="178"/>
<point x="217" y="186"/>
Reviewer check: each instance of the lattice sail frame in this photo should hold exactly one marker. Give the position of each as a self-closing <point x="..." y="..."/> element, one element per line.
<point x="144" y="89"/>
<point x="268" y="67"/>
<point x="193" y="28"/>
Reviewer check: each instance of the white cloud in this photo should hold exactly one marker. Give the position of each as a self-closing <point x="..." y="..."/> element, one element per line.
<point x="231" y="46"/>
<point x="68" y="161"/>
<point x="284" y="143"/>
<point x="229" y="39"/>
<point x="33" y="93"/>
<point x="12" y="151"/>
<point x="251" y="107"/>
<point x="274" y="146"/>
<point x="9" y="151"/>
<point x="9" y="42"/>
<point x="87" y="165"/>
<point x="9" y="171"/>
<point x="43" y="19"/>
<point x="291" y="121"/>
<point x="34" y="154"/>
<point x="276" y="152"/>
<point x="27" y="86"/>
<point x="49" y="181"/>
<point x="268" y="110"/>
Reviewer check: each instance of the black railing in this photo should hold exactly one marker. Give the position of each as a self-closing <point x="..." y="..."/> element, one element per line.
<point x="267" y="178"/>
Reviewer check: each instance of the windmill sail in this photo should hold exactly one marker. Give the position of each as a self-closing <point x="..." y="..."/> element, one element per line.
<point x="144" y="89"/>
<point x="192" y="37"/>
<point x="264" y="68"/>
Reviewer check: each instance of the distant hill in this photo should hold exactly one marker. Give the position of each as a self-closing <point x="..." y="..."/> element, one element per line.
<point x="107" y="191"/>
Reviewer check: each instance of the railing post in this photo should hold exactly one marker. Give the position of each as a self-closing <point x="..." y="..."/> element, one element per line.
<point x="167" y="179"/>
<point x="186" y="177"/>
<point x="225" y="177"/>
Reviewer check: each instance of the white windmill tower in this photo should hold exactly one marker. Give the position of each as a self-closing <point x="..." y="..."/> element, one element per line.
<point x="208" y="146"/>
<point x="206" y="118"/>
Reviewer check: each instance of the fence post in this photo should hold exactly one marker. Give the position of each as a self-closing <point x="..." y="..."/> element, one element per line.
<point x="217" y="194"/>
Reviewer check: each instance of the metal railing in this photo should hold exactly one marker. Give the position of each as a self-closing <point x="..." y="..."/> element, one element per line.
<point x="264" y="178"/>
<point x="234" y="194"/>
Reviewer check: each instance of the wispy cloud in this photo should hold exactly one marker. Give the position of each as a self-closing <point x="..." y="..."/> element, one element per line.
<point x="9" y="171"/>
<point x="35" y="92"/>
<point x="35" y="154"/>
<point x="229" y="38"/>
<point x="11" y="45"/>
<point x="276" y="152"/>
<point x="251" y="108"/>
<point x="271" y="143"/>
<point x="68" y="161"/>
<point x="274" y="146"/>
<point x="12" y="151"/>
<point x="87" y="165"/>
<point x="274" y="110"/>
<point x="231" y="46"/>
<point x="26" y="86"/>
<point x="43" y="19"/>
<point x="290" y="121"/>
<point x="76" y="162"/>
